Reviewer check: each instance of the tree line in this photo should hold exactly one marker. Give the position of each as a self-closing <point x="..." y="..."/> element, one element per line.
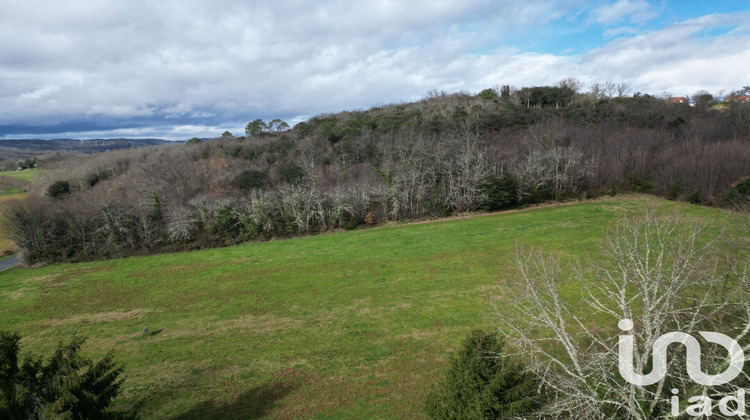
<point x="445" y="154"/>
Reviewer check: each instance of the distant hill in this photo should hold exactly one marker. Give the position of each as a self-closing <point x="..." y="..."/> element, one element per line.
<point x="77" y="146"/>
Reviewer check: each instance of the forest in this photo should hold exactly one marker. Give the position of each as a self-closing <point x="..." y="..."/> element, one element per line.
<point x="443" y="155"/>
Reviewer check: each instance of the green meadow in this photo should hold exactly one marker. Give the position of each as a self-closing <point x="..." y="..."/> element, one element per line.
<point x="26" y="174"/>
<point x="355" y="324"/>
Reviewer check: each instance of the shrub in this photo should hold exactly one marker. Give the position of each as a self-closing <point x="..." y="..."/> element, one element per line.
<point x="249" y="179"/>
<point x="538" y="194"/>
<point x="91" y="179"/>
<point x="638" y="183"/>
<point x="221" y="220"/>
<point x="500" y="192"/>
<point x="289" y="172"/>
<point x="591" y="194"/>
<point x="58" y="189"/>
<point x="743" y="187"/>
<point x="739" y="195"/>
<point x="674" y="190"/>
<point x="27" y="163"/>
<point x="696" y="197"/>
<point x="483" y="383"/>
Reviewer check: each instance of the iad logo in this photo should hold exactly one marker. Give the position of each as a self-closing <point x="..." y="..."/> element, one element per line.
<point x="693" y="349"/>
<point x="701" y="405"/>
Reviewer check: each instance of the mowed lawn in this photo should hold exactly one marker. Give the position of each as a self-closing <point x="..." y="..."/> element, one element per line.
<point x="347" y="325"/>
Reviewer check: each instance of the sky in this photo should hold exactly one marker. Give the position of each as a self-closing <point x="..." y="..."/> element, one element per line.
<point x="177" y="69"/>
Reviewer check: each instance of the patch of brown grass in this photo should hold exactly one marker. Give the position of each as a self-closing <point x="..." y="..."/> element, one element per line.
<point x="97" y="318"/>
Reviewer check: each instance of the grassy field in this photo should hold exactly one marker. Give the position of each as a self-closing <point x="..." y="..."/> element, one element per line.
<point x="26" y="174"/>
<point x="345" y="325"/>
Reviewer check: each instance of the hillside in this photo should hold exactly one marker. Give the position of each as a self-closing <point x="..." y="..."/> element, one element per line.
<point x="343" y="325"/>
<point x="443" y="155"/>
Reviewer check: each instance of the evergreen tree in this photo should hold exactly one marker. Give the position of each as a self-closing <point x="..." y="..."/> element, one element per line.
<point x="67" y="386"/>
<point x="500" y="192"/>
<point x="483" y="383"/>
<point x="256" y="127"/>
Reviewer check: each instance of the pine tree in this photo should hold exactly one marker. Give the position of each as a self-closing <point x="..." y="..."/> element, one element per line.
<point x="483" y="383"/>
<point x="68" y="386"/>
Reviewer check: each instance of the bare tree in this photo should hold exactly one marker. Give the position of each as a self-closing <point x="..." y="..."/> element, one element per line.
<point x="597" y="91"/>
<point x="622" y="89"/>
<point x="570" y="170"/>
<point x="312" y="152"/>
<point x="664" y="274"/>
<point x="609" y="89"/>
<point x="30" y="226"/>
<point x="564" y="169"/>
<point x="182" y="223"/>
<point x="464" y="175"/>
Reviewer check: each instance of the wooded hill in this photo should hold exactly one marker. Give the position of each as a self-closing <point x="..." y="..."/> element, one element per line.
<point x="445" y="154"/>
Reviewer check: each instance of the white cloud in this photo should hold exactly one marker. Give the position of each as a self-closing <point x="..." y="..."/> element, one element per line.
<point x="622" y="30"/>
<point x="637" y="11"/>
<point x="203" y="65"/>
<point x="677" y="58"/>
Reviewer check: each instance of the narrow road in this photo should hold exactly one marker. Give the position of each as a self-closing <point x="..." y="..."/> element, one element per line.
<point x="8" y="262"/>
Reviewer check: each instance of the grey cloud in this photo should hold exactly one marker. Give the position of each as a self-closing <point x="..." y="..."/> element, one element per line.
<point x="182" y="65"/>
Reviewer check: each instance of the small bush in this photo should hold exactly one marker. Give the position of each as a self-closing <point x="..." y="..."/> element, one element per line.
<point x="743" y="187"/>
<point x="91" y="179"/>
<point x="483" y="383"/>
<point x="289" y="172"/>
<point x="696" y="197"/>
<point x="674" y="190"/>
<point x="58" y="189"/>
<point x="538" y="194"/>
<point x="500" y="192"/>
<point x="249" y="179"/>
<point x="591" y="194"/>
<point x="638" y="183"/>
